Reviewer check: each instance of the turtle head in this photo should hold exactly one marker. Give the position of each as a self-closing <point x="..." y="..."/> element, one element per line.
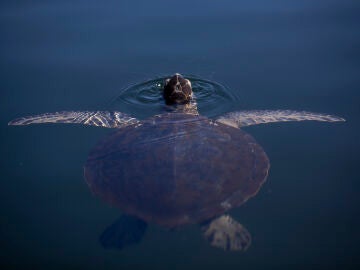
<point x="177" y="90"/>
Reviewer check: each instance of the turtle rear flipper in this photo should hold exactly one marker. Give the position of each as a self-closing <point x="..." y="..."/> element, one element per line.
<point x="125" y="231"/>
<point x="226" y="233"/>
<point x="255" y="117"/>
<point x="93" y="118"/>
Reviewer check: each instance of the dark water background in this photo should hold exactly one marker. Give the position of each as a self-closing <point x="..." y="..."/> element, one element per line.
<point x="65" y="55"/>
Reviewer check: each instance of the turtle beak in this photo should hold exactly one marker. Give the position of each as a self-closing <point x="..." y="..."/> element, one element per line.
<point x="177" y="90"/>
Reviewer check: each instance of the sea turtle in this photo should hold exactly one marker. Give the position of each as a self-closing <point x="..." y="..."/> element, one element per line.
<point x="178" y="167"/>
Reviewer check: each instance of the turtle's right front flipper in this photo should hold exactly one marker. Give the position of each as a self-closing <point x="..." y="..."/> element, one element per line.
<point x="248" y="118"/>
<point x="94" y="118"/>
<point x="125" y="231"/>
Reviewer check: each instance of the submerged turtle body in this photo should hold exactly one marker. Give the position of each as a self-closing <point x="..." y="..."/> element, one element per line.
<point x="176" y="169"/>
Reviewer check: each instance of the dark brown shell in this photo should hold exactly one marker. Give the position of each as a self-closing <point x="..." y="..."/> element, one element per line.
<point x="176" y="169"/>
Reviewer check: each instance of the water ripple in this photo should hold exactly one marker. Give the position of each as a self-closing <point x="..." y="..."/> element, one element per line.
<point x="145" y="98"/>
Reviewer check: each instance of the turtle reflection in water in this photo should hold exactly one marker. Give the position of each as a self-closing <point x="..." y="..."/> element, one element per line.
<point x="176" y="168"/>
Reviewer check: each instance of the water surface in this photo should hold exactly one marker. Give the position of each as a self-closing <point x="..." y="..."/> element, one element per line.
<point x="66" y="55"/>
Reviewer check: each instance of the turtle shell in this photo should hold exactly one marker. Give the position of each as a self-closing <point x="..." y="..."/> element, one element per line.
<point x="176" y="169"/>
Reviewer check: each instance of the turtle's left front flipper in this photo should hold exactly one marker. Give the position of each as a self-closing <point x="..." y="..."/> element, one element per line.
<point x="94" y="118"/>
<point x="249" y="118"/>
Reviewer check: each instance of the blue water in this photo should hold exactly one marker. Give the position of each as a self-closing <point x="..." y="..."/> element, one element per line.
<point x="67" y="55"/>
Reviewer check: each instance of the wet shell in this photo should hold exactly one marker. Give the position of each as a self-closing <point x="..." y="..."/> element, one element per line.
<point x="176" y="169"/>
